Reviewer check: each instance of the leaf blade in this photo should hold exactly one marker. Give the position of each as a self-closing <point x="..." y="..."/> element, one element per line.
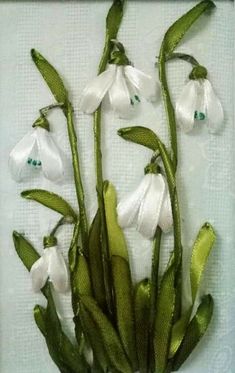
<point x="50" y="200"/>
<point x="51" y="77"/>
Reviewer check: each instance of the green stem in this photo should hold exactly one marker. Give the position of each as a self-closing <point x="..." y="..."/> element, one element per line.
<point x="183" y="56"/>
<point x="169" y="109"/>
<point x="77" y="177"/>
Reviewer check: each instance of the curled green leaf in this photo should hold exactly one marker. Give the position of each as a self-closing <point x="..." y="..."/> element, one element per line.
<point x="111" y="342"/>
<point x="195" y="331"/>
<point x="50" y="76"/>
<point x="52" y="201"/>
<point x="176" y="32"/>
<point x="201" y="250"/>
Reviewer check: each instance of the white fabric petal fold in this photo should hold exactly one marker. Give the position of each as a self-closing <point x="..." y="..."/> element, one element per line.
<point x="57" y="270"/>
<point x="165" y="218"/>
<point x="95" y="91"/>
<point x="144" y="83"/>
<point x="128" y="208"/>
<point x="150" y="206"/>
<point x="214" y="110"/>
<point x="39" y="272"/>
<point x="20" y="153"/>
<point x="186" y="105"/>
<point x="50" y="156"/>
<point x="119" y="95"/>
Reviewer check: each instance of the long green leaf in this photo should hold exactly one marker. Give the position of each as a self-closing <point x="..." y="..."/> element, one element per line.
<point x="114" y="18"/>
<point x="60" y="348"/>
<point x="110" y="338"/>
<point x="123" y="295"/>
<point x="195" y="331"/>
<point x="142" y="313"/>
<point x="201" y="250"/>
<point x="164" y="318"/>
<point x="117" y="242"/>
<point x="95" y="261"/>
<point x="50" y="76"/>
<point x="51" y="200"/>
<point x="176" y="32"/>
<point x="122" y="284"/>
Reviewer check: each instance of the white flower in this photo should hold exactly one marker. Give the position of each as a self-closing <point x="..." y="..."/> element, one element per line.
<point x="51" y="264"/>
<point x="123" y="84"/>
<point x="199" y="103"/>
<point x="37" y="150"/>
<point x="148" y="206"/>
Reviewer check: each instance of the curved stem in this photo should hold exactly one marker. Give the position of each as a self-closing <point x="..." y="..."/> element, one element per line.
<point x="169" y="109"/>
<point x="183" y="56"/>
<point x="77" y="177"/>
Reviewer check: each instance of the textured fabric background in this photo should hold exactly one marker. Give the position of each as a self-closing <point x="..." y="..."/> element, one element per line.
<point x="70" y="34"/>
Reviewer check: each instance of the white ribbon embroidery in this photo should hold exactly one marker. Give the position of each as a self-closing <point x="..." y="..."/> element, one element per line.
<point x="147" y="207"/>
<point x="38" y="150"/>
<point x="123" y="84"/>
<point x="51" y="264"/>
<point x="198" y="102"/>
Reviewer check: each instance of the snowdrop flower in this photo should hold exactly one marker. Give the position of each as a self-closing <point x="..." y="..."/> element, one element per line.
<point x="199" y="103"/>
<point x="51" y="264"/>
<point x="123" y="84"/>
<point x="147" y="207"/>
<point x="37" y="150"/>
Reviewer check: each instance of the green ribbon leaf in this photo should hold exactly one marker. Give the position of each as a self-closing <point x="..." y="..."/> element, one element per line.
<point x="62" y="351"/>
<point x="164" y="318"/>
<point x="176" y="32"/>
<point x="142" y="313"/>
<point x="140" y="135"/>
<point x="195" y="331"/>
<point x="122" y="283"/>
<point x="50" y="76"/>
<point x="95" y="261"/>
<point x="117" y="242"/>
<point x="201" y="250"/>
<point x="114" y="18"/>
<point x="111" y="342"/>
<point x="25" y="250"/>
<point x="52" y="201"/>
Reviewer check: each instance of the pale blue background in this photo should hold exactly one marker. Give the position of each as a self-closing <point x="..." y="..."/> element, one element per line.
<point x="70" y="34"/>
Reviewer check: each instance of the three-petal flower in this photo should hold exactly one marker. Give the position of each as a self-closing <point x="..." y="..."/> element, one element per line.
<point x="148" y="206"/>
<point x="38" y="150"/>
<point x="198" y="102"/>
<point x="124" y="85"/>
<point x="51" y="264"/>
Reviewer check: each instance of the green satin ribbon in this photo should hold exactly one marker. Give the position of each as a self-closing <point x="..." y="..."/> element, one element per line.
<point x="142" y="323"/>
<point x="198" y="72"/>
<point x="119" y="58"/>
<point x="49" y="241"/>
<point x="42" y="122"/>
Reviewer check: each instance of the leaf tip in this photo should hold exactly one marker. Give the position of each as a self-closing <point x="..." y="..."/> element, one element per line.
<point x="210" y="229"/>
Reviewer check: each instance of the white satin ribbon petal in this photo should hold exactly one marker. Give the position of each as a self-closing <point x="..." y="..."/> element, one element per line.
<point x="57" y="270"/>
<point x="150" y="207"/>
<point x="39" y="272"/>
<point x="128" y="207"/>
<point x="119" y="95"/>
<point x="95" y="91"/>
<point x="214" y="110"/>
<point x="20" y="154"/>
<point x="144" y="83"/>
<point x="165" y="218"/>
<point x="50" y="156"/>
<point x="186" y="105"/>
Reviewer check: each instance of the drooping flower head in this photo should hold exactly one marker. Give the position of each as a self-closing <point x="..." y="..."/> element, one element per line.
<point x="198" y="103"/>
<point x="124" y="85"/>
<point x="50" y="265"/>
<point x="37" y="150"/>
<point x="147" y="206"/>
